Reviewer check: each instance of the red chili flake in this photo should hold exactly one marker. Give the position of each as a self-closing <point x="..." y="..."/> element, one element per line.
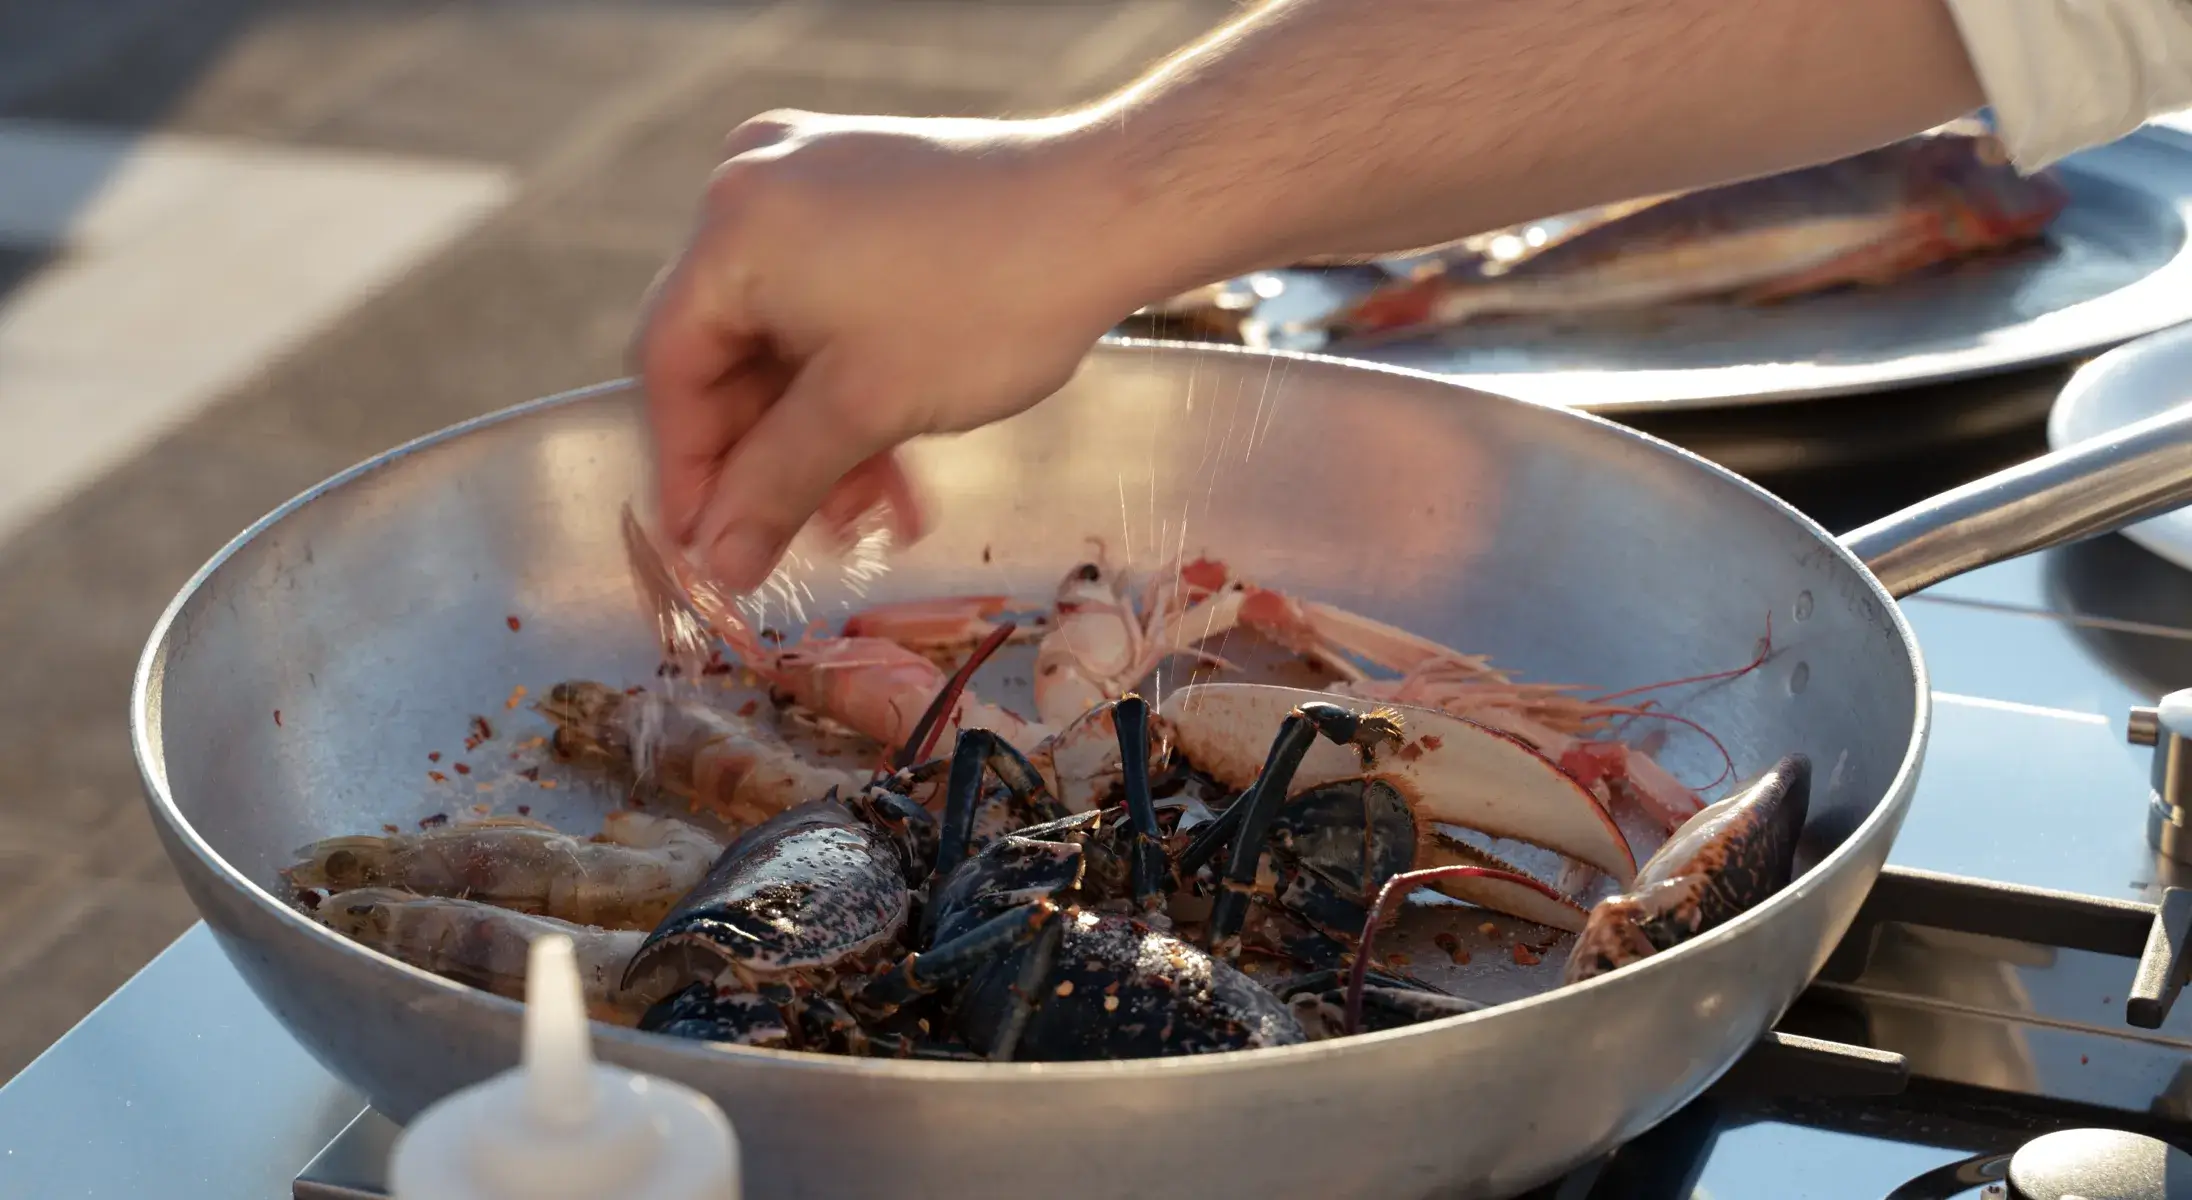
<point x="461" y="769"/>
<point x="1410" y="752"/>
<point x="1488" y="929"/>
<point x="387" y="828"/>
<point x="550" y="784"/>
<point x="717" y="668"/>
<point x="513" y="622"/>
<point x="1398" y="958"/>
<point x="2081" y="1060"/>
<point x="531" y="773"/>
<point x="1525" y="957"/>
<point x="1432" y="741"/>
<point x="277" y="716"/>
<point x="525" y="810"/>
<point x="985" y="554"/>
<point x="433" y="756"/>
<point x="517" y="697"/>
<point x="438" y="819"/>
<point x="747" y="709"/>
<point x="634" y="691"/>
<point x="437" y="777"/>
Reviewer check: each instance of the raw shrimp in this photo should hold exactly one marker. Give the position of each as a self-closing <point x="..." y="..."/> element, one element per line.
<point x="484" y="946"/>
<point x="627" y="878"/>
<point x="738" y="768"/>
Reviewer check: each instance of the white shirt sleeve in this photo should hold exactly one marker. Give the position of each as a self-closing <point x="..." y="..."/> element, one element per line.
<point x="2067" y="75"/>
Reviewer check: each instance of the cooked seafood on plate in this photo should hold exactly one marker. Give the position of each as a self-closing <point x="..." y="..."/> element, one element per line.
<point x="1869" y="220"/>
<point x="1219" y="864"/>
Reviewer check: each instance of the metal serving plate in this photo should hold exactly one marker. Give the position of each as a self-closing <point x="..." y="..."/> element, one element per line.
<point x="2118" y="265"/>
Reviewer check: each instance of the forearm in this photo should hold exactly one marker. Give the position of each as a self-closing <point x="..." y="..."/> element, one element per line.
<point x="1317" y="127"/>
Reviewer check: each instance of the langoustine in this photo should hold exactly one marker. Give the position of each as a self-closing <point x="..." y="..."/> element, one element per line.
<point x="735" y="766"/>
<point x="873" y="686"/>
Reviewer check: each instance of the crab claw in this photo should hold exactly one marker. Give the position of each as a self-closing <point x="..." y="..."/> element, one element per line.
<point x="1453" y="770"/>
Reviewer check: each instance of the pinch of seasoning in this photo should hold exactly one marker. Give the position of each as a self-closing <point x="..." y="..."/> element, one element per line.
<point x="433" y="756"/>
<point x="513" y="622"/>
<point x="1525" y="957"/>
<point x="1065" y="988"/>
<point x="460" y="768"/>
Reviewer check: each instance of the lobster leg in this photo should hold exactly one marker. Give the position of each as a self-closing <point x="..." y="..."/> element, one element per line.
<point x="1261" y="803"/>
<point x="957" y="960"/>
<point x="1145" y="853"/>
<point x="977" y="750"/>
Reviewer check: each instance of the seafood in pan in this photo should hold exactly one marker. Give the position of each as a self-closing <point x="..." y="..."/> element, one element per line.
<point x="1870" y="220"/>
<point x="1225" y="865"/>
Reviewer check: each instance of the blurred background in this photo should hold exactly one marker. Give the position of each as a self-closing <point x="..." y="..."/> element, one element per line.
<point x="244" y="245"/>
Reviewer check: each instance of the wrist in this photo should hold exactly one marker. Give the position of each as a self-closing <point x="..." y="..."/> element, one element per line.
<point x="1139" y="214"/>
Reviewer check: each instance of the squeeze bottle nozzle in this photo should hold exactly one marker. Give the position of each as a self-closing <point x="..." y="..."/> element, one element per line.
<point x="561" y="1126"/>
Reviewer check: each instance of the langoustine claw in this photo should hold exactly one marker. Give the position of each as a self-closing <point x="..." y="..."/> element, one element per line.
<point x="624" y="879"/>
<point x="1722" y="862"/>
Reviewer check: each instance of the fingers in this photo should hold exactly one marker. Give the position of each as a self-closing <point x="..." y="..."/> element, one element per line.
<point x="779" y="474"/>
<point x="705" y="382"/>
<point x="878" y="484"/>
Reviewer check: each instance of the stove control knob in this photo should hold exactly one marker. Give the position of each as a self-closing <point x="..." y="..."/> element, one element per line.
<point x="2167" y="727"/>
<point x="2099" y="1164"/>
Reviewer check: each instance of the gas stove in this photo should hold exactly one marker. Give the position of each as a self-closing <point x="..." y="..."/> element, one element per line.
<point x="2001" y="1019"/>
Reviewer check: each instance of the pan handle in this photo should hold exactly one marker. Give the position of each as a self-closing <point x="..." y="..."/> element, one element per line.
<point x="2099" y="486"/>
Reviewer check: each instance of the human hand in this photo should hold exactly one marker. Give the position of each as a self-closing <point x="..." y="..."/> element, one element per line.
<point x="855" y="282"/>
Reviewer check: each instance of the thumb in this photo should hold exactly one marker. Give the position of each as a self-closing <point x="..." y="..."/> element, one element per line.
<point x="778" y="475"/>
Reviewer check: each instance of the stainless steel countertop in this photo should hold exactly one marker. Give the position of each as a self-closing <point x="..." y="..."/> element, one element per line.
<point x="183" y="1086"/>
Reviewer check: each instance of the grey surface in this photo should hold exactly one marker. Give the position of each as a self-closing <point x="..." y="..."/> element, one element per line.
<point x="181" y="1087"/>
<point x="2118" y="265"/>
<point x="608" y="112"/>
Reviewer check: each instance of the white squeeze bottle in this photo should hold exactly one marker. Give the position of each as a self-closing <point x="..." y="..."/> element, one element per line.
<point x="561" y="1126"/>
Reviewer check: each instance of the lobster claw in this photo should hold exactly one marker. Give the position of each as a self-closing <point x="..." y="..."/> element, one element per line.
<point x="1722" y="862"/>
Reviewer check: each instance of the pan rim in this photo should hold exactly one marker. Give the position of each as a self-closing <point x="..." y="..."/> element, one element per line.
<point x="144" y="719"/>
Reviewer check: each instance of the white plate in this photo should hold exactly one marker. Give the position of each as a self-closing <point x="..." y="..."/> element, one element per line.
<point x="2135" y="381"/>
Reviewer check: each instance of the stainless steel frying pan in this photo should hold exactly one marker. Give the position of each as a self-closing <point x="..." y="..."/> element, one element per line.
<point x="372" y="613"/>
